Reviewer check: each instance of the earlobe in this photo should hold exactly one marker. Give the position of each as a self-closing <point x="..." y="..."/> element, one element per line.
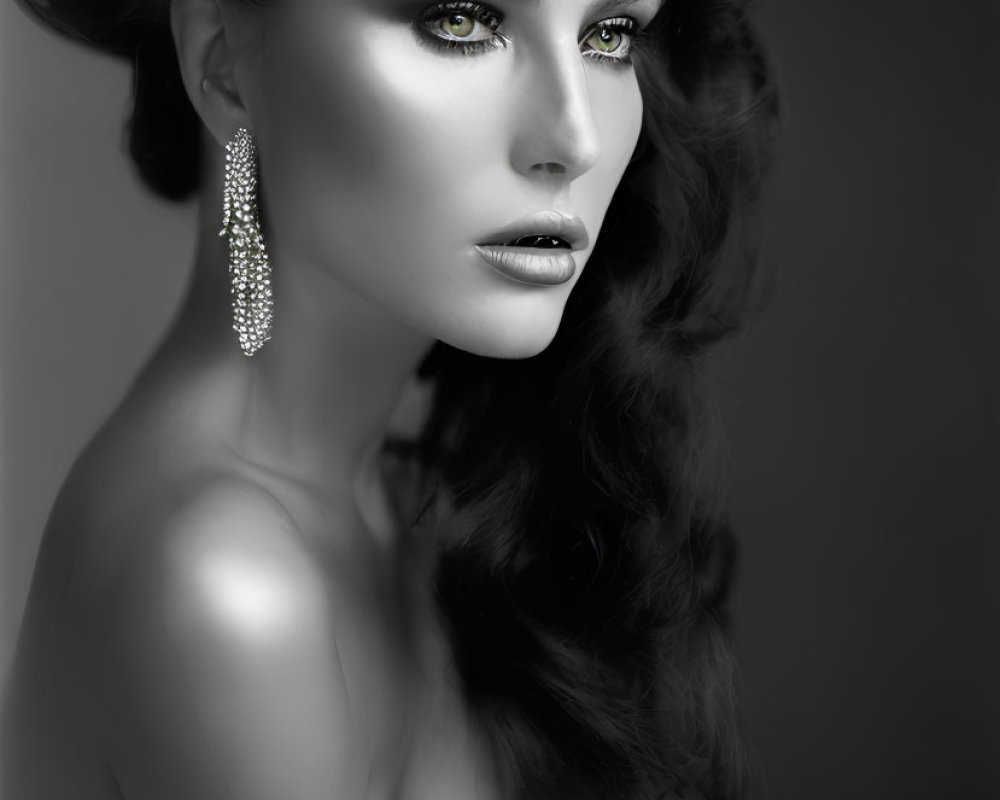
<point x="207" y="66"/>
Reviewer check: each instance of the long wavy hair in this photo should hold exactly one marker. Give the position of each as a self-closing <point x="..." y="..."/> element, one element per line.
<point x="585" y="559"/>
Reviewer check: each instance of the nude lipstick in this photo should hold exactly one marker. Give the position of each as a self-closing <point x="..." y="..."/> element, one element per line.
<point x="536" y="249"/>
<point x="529" y="265"/>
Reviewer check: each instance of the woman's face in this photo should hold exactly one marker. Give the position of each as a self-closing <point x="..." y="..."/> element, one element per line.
<point x="398" y="138"/>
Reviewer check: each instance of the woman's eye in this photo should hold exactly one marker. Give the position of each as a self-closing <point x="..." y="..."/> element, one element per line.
<point x="605" y="40"/>
<point x="611" y="40"/>
<point x="461" y="26"/>
<point x="469" y="27"/>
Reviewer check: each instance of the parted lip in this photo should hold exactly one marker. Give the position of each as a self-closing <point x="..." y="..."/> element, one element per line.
<point x="542" y="223"/>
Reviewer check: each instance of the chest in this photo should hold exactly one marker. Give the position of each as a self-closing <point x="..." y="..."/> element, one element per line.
<point x="415" y="734"/>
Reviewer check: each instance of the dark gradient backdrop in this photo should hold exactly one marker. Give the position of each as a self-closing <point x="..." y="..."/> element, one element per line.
<point x="861" y="408"/>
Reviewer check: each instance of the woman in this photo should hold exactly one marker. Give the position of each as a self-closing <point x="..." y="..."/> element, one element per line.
<point x="261" y="579"/>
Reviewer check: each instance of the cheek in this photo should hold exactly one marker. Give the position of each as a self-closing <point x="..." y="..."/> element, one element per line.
<point x="372" y="148"/>
<point x="626" y="124"/>
<point x="617" y="106"/>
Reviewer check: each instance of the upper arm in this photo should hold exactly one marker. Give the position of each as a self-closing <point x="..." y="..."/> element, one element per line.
<point x="223" y="678"/>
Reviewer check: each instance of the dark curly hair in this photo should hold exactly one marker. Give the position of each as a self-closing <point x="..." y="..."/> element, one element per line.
<point x="585" y="560"/>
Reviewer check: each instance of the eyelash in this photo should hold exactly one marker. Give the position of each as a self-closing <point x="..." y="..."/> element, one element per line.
<point x="492" y="19"/>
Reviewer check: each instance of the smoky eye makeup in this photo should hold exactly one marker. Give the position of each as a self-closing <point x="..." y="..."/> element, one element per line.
<point x="611" y="40"/>
<point x="463" y="27"/>
<point x="467" y="27"/>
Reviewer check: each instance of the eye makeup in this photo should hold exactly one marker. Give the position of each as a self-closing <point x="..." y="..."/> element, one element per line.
<point x="452" y="26"/>
<point x="446" y="25"/>
<point x="612" y="40"/>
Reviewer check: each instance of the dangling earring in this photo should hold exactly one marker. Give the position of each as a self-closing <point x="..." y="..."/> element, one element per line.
<point x="249" y="267"/>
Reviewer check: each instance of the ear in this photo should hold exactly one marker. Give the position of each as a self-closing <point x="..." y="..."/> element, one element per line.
<point x="207" y="64"/>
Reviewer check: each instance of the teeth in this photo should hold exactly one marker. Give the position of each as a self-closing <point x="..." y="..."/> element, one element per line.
<point x="545" y="242"/>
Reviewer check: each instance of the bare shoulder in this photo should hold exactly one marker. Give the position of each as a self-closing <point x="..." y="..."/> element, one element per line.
<point x="178" y="542"/>
<point x="227" y="557"/>
<point x="214" y="572"/>
<point x="217" y="659"/>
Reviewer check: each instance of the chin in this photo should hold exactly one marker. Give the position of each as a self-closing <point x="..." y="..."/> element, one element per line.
<point x="507" y="336"/>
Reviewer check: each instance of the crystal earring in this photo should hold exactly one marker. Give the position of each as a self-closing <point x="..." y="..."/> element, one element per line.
<point x="249" y="267"/>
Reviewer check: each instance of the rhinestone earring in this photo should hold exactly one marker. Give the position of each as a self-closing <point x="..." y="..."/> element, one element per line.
<point x="249" y="267"/>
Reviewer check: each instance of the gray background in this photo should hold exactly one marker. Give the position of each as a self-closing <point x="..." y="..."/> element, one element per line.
<point x="861" y="408"/>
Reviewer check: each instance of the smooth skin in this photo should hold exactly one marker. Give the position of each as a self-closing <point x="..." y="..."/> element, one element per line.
<point x="225" y="605"/>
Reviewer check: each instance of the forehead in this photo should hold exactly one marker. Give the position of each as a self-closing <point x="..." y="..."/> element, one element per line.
<point x="581" y="6"/>
<point x="586" y="6"/>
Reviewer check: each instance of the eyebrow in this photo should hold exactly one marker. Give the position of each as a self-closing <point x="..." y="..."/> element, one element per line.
<point x="615" y="5"/>
<point x="610" y="5"/>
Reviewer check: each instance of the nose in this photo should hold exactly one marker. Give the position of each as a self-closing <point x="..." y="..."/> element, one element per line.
<point x="556" y="135"/>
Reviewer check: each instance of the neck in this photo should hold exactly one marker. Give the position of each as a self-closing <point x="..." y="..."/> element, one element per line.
<point x="315" y="402"/>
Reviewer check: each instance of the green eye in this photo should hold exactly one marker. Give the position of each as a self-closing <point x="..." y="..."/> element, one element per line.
<point x="461" y="23"/>
<point x="465" y="27"/>
<point x="611" y="40"/>
<point x="605" y="40"/>
<point x="458" y="25"/>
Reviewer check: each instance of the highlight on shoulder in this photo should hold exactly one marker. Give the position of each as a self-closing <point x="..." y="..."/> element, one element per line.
<point x="220" y="669"/>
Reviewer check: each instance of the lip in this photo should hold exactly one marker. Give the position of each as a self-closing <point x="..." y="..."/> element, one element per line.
<point x="542" y="223"/>
<point x="539" y="267"/>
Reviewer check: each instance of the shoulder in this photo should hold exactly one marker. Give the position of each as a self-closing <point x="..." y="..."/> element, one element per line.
<point x="214" y="563"/>
<point x="227" y="557"/>
<point x="217" y="661"/>
<point x="184" y="542"/>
